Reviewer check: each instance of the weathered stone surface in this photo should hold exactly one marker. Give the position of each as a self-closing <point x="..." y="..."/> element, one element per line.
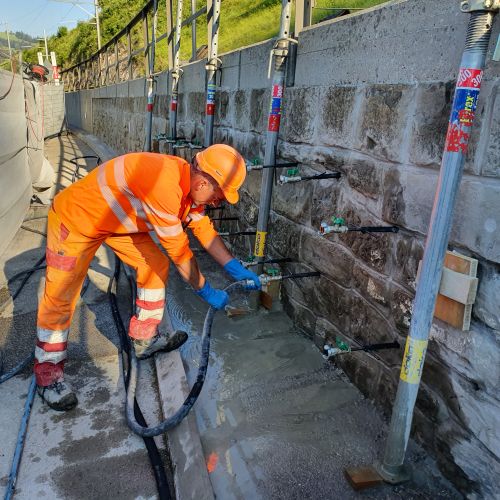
<point x="487" y="305"/>
<point x="332" y="302"/>
<point x="240" y="110"/>
<point x="371" y="249"/>
<point x="327" y="256"/>
<point x="284" y="236"/>
<point x="384" y="118"/>
<point x="294" y="200"/>
<point x="401" y="307"/>
<point x="491" y="165"/>
<point x="325" y="197"/>
<point x="368" y="326"/>
<point x="299" y="114"/>
<point x="303" y="317"/>
<point x="363" y="175"/>
<point x="406" y="251"/>
<point x="259" y="110"/>
<point x="371" y="286"/>
<point x="222" y="108"/>
<point x="430" y="123"/>
<point x="336" y="121"/>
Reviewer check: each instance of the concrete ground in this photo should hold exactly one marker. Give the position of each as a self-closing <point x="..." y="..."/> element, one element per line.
<point x="276" y="421"/>
<point x="88" y="452"/>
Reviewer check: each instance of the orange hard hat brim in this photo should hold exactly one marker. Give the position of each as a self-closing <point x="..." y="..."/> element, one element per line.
<point x="231" y="196"/>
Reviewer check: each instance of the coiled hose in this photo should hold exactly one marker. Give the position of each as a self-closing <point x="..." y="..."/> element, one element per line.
<point x="181" y="413"/>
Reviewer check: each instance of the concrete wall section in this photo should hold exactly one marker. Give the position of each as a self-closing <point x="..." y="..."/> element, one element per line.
<point x="15" y="178"/>
<point x="372" y="98"/>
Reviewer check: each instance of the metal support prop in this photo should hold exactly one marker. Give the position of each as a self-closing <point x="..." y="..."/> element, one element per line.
<point x="175" y="75"/>
<point x="278" y="55"/>
<point x="213" y="16"/>
<point x="193" y="31"/>
<point x="467" y="89"/>
<point x="150" y="78"/>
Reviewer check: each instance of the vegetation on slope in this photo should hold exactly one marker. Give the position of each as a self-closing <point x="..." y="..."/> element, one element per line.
<point x="243" y="22"/>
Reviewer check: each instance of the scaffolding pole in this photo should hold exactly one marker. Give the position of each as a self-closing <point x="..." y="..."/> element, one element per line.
<point x="150" y="78"/>
<point x="213" y="16"/>
<point x="467" y="88"/>
<point x="278" y="57"/>
<point x="175" y="74"/>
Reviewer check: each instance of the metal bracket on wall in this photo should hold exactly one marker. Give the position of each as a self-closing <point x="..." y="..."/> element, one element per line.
<point x="468" y="6"/>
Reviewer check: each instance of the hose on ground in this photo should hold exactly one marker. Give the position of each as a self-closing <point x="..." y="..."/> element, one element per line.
<point x="21" y="436"/>
<point x="181" y="413"/>
<point x="124" y="351"/>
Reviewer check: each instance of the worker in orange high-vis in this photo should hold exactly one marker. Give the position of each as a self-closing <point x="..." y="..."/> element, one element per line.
<point x="120" y="203"/>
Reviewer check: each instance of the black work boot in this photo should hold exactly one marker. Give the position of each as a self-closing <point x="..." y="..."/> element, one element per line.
<point x="58" y="396"/>
<point x="159" y="343"/>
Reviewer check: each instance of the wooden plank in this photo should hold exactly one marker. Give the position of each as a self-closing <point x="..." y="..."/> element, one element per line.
<point x="453" y="312"/>
<point x="363" y="477"/>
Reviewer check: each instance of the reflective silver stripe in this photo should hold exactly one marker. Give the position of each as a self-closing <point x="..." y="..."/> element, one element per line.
<point x="121" y="182"/>
<point x="112" y="201"/>
<point x="196" y="216"/>
<point x="143" y="314"/>
<point x="151" y="294"/>
<point x="49" y="357"/>
<point x="160" y="213"/>
<point x="169" y="231"/>
<point x="52" y="336"/>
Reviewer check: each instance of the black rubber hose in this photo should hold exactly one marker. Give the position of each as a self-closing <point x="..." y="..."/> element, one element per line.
<point x="152" y="449"/>
<point x="181" y="413"/>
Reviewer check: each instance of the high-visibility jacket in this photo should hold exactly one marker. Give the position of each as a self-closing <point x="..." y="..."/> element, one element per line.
<point x="133" y="193"/>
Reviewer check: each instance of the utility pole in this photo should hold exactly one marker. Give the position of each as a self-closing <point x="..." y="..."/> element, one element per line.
<point x="193" y="31"/>
<point x="482" y="13"/>
<point x="8" y="43"/>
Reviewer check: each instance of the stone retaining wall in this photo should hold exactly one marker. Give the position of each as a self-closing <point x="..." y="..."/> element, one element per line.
<point x="372" y="97"/>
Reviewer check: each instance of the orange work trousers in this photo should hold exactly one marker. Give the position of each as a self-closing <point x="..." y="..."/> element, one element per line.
<point x="68" y="256"/>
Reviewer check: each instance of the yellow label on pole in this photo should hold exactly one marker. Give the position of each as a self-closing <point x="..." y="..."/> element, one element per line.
<point x="260" y="243"/>
<point x="413" y="360"/>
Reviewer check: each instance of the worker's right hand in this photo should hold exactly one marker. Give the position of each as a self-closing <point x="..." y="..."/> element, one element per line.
<point x="216" y="298"/>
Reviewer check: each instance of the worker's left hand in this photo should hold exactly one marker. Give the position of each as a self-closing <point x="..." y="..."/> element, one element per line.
<point x="240" y="272"/>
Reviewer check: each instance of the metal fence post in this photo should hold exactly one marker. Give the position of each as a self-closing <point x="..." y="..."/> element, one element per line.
<point x="457" y="139"/>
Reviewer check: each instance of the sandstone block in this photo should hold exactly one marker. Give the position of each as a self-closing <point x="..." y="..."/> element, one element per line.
<point x="336" y="121"/>
<point x="284" y="236"/>
<point x="332" y="302"/>
<point x="401" y="308"/>
<point x="487" y="307"/>
<point x="371" y="286"/>
<point x="299" y="114"/>
<point x="384" y="117"/>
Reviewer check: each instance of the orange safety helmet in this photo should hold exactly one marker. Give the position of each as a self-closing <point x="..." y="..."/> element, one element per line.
<point x="226" y="166"/>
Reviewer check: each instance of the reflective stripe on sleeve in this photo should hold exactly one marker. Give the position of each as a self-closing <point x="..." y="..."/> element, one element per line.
<point x="169" y="231"/>
<point x="196" y="216"/>
<point x="159" y="213"/>
<point x="113" y="204"/>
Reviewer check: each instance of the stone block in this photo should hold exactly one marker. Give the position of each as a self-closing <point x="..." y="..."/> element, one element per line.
<point x="241" y="111"/>
<point x="406" y="252"/>
<point x="401" y="308"/>
<point x="294" y="200"/>
<point x="222" y="108"/>
<point x="486" y="307"/>
<point x="259" y="106"/>
<point x="369" y="326"/>
<point x="195" y="109"/>
<point x="302" y="317"/>
<point x="491" y="127"/>
<point x="387" y="387"/>
<point x="371" y="249"/>
<point x="284" y="236"/>
<point x="363" y="175"/>
<point x="324" y="204"/>
<point x="336" y="122"/>
<point x="327" y="257"/>
<point x="408" y="198"/>
<point x="298" y="122"/>
<point x="332" y="302"/>
<point x="371" y="286"/>
<point x="430" y="123"/>
<point x="477" y="218"/>
<point x="384" y="118"/>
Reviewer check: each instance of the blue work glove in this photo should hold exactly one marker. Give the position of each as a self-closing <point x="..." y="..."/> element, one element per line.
<point x="216" y="298"/>
<point x="240" y="272"/>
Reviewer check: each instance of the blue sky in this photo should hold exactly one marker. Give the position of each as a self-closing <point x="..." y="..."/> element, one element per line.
<point x="33" y="16"/>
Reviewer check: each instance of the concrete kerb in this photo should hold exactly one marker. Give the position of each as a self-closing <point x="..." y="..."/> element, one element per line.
<point x="190" y="473"/>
